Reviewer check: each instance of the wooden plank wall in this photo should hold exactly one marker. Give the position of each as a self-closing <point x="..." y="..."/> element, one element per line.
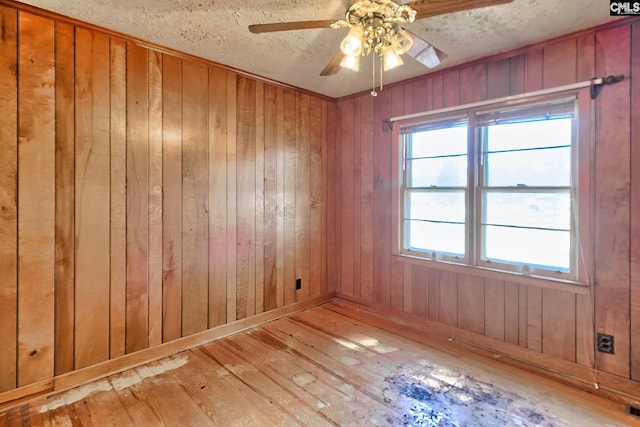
<point x="557" y="323"/>
<point x="635" y="204"/>
<point x="145" y="196"/>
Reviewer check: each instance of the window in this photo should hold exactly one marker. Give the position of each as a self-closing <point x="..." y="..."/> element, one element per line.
<point x="494" y="188"/>
<point x="436" y="187"/>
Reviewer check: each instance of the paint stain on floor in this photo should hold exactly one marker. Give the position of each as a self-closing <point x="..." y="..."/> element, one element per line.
<point x="433" y="396"/>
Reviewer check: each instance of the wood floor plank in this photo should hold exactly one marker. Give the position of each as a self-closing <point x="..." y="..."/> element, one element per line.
<point x="248" y="374"/>
<point x="267" y="363"/>
<point x="103" y="407"/>
<point x="344" y="361"/>
<point x="13" y="417"/>
<point x="360" y="333"/>
<point x="253" y="397"/>
<point x="167" y="398"/>
<point x="205" y="381"/>
<point x="340" y="404"/>
<point x="77" y="409"/>
<point x="348" y="360"/>
<point x="126" y="387"/>
<point x="53" y="410"/>
<point x="36" y="416"/>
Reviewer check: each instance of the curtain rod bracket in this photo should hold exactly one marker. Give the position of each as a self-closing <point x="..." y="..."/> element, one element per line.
<point x="598" y="83"/>
<point x="389" y="124"/>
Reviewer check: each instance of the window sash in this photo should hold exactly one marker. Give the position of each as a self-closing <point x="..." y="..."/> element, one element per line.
<point x="522" y="224"/>
<point x="445" y="250"/>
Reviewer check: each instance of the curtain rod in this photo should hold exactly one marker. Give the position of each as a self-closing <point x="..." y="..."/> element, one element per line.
<point x="595" y="83"/>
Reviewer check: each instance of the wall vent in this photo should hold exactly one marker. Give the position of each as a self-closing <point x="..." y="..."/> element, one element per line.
<point x="632" y="410"/>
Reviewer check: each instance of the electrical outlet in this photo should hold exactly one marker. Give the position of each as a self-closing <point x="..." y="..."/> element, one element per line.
<point x="298" y="284"/>
<point x="605" y="343"/>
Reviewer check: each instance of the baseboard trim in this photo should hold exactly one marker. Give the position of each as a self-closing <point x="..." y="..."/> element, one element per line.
<point x="430" y="332"/>
<point x="82" y="376"/>
<point x="20" y="394"/>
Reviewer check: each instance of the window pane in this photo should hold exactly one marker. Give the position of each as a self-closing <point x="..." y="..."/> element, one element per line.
<point x="542" y="210"/>
<point x="439" y="142"/>
<point x="438" y="237"/>
<point x="527" y="246"/>
<point x="544" y="133"/>
<point x="438" y="172"/>
<point x="446" y="206"/>
<point x="544" y="167"/>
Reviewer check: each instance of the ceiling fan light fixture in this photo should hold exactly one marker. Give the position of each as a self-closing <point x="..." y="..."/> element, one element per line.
<point x="352" y="44"/>
<point x="402" y="44"/>
<point x="351" y="63"/>
<point x="391" y="59"/>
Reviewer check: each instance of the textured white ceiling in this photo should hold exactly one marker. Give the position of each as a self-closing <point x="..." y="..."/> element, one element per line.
<point x="217" y="30"/>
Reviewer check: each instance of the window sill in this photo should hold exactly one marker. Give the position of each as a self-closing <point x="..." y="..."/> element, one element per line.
<point x="489" y="273"/>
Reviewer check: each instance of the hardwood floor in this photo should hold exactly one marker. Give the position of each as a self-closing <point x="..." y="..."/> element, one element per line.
<point x="323" y="366"/>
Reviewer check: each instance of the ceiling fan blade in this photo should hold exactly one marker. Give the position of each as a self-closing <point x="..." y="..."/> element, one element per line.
<point x="424" y="53"/>
<point x="334" y="65"/>
<point x="287" y="26"/>
<point x="428" y="8"/>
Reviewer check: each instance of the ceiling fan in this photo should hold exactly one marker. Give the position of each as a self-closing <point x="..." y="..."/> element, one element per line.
<point x="376" y="26"/>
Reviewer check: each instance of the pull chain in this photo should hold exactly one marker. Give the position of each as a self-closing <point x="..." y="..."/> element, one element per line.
<point x="381" y="69"/>
<point x="373" y="84"/>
